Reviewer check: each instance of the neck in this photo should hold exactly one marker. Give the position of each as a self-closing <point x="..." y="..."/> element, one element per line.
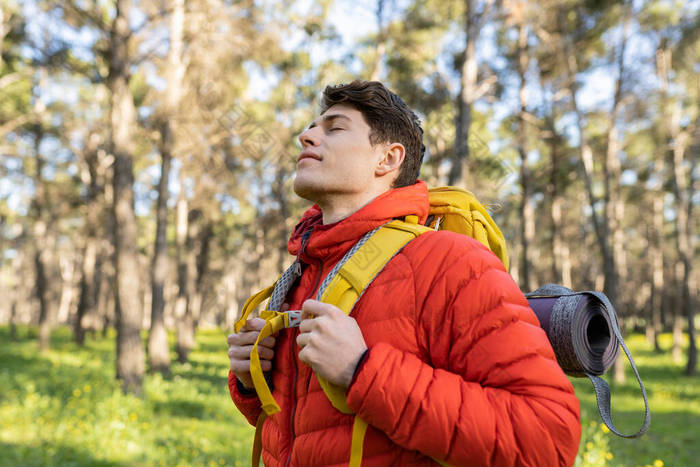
<point x="337" y="207"/>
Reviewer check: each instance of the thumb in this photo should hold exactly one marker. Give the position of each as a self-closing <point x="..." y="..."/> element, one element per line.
<point x="315" y="309"/>
<point x="310" y="309"/>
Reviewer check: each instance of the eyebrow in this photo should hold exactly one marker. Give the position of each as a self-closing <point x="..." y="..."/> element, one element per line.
<point x="328" y="118"/>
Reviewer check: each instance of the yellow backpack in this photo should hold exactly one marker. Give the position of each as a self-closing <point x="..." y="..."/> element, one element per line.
<point x="451" y="209"/>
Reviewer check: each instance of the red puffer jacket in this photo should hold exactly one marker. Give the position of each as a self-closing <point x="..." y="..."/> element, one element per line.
<point x="458" y="368"/>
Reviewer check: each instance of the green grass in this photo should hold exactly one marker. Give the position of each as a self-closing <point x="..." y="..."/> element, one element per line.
<point x="673" y="438"/>
<point x="65" y="408"/>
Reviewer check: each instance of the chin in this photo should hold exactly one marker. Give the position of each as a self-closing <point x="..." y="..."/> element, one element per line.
<point x="307" y="189"/>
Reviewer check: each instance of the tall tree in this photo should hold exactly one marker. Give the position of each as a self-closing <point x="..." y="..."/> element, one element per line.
<point x="130" y="352"/>
<point x="476" y="14"/>
<point x="159" y="355"/>
<point x="518" y="17"/>
<point x="92" y="174"/>
<point x="614" y="259"/>
<point x="183" y="316"/>
<point x="43" y="229"/>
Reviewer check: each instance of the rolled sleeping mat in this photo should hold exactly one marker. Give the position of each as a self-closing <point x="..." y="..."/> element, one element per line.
<point x="579" y="330"/>
<point x="582" y="328"/>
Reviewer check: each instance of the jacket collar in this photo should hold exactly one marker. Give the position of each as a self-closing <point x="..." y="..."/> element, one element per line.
<point x="312" y="240"/>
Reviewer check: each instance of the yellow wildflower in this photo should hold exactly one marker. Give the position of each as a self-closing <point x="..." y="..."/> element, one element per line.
<point x="658" y="463"/>
<point x="605" y="428"/>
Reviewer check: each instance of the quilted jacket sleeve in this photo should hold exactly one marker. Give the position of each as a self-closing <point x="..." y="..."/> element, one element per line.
<point x="488" y="390"/>
<point x="248" y="403"/>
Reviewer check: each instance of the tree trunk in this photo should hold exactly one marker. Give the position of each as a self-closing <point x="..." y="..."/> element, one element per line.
<point x="467" y="96"/>
<point x="43" y="251"/>
<point x="561" y="264"/>
<point x="202" y="250"/>
<point x="67" y="269"/>
<point x="605" y="230"/>
<point x="3" y="31"/>
<point x="614" y="262"/>
<point x="657" y="265"/>
<point x="677" y="327"/>
<point x="279" y="191"/>
<point x="41" y="258"/>
<point x="679" y="183"/>
<point x="378" y="66"/>
<point x="586" y="157"/>
<point x="87" y="300"/>
<point x="183" y="319"/>
<point x="158" y="351"/>
<point x="130" y="354"/>
<point x="15" y="295"/>
<point x="527" y="214"/>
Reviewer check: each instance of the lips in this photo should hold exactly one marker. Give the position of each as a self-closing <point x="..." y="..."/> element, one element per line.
<point x="308" y="155"/>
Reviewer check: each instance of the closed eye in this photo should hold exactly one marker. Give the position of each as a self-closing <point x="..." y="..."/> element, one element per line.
<point x="333" y="129"/>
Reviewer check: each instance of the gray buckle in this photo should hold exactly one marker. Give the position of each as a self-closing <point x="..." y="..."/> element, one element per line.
<point x="294" y="318"/>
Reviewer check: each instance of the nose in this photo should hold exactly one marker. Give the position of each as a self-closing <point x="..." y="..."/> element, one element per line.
<point x="308" y="138"/>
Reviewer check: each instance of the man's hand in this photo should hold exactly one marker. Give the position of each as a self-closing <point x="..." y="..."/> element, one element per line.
<point x="240" y="345"/>
<point x="331" y="342"/>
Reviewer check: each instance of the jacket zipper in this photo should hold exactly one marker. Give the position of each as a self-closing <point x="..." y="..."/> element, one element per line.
<point x="313" y="291"/>
<point x="304" y="240"/>
<point x="294" y="394"/>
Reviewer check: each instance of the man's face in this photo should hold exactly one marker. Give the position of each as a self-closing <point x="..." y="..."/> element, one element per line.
<point x="336" y="157"/>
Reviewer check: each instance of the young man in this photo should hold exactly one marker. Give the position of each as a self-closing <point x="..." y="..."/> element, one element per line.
<point x="441" y="356"/>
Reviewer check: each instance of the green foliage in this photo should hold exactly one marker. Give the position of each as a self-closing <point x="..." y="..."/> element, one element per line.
<point x="594" y="449"/>
<point x="15" y="99"/>
<point x="64" y="408"/>
<point x="674" y="400"/>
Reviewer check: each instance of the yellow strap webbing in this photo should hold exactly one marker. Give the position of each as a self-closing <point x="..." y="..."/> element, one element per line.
<point x="273" y="325"/>
<point x="352" y="278"/>
<point x="257" y="441"/>
<point x="251" y="304"/>
<point x="344" y="291"/>
<point x="359" y="428"/>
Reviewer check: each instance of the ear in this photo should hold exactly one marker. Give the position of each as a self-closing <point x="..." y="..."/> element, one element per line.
<point x="391" y="160"/>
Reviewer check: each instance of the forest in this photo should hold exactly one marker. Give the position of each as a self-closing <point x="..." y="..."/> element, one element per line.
<point x="148" y="150"/>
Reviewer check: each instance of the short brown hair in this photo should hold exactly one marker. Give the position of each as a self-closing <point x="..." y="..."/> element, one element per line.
<point x="389" y="118"/>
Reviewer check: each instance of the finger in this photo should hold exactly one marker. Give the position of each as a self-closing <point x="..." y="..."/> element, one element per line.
<point x="268" y="342"/>
<point x="242" y="338"/>
<point x="243" y="352"/>
<point x="303" y="339"/>
<point x="253" y="324"/>
<point x="304" y="355"/>
<point x="265" y="353"/>
<point x="243" y="366"/>
<point x="284" y="307"/>
<point x="314" y="308"/>
<point x="306" y="325"/>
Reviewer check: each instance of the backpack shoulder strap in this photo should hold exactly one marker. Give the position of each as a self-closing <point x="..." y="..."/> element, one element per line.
<point x="348" y="280"/>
